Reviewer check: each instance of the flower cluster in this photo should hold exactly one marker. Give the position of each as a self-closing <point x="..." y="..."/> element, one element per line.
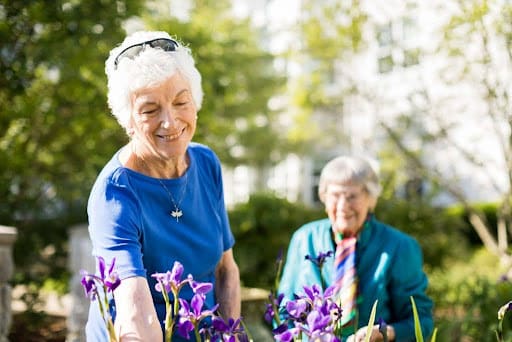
<point x="314" y="314"/>
<point x="98" y="287"/>
<point x="182" y="316"/>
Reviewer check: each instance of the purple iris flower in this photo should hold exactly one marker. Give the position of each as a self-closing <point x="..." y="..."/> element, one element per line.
<point x="163" y="280"/>
<point x="200" y="288"/>
<point x="283" y="334"/>
<point x="110" y="279"/>
<point x="297" y="309"/>
<point x="170" y="280"/>
<point x="330" y="291"/>
<point x="318" y="327"/>
<point x="185" y="327"/>
<point x="229" y="331"/>
<point x="317" y="322"/>
<point x="89" y="285"/>
<point x="313" y="292"/>
<point x="319" y="260"/>
<point x="274" y="302"/>
<point x="192" y="313"/>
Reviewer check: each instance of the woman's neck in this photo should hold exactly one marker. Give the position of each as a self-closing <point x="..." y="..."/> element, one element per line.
<point x="153" y="166"/>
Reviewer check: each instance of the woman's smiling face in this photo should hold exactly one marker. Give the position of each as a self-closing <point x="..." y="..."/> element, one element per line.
<point x="347" y="206"/>
<point x="163" y="118"/>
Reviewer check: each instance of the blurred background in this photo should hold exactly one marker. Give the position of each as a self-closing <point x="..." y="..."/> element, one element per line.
<point x="423" y="88"/>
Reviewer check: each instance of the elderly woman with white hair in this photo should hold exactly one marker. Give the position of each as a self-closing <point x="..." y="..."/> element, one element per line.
<point x="160" y="198"/>
<point x="372" y="260"/>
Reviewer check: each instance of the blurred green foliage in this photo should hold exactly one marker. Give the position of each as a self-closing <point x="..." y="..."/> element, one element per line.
<point x="263" y="227"/>
<point x="467" y="296"/>
<point x="464" y="283"/>
<point x="56" y="131"/>
<point x="239" y="79"/>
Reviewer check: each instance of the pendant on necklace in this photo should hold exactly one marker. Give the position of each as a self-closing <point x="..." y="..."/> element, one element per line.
<point x="177" y="213"/>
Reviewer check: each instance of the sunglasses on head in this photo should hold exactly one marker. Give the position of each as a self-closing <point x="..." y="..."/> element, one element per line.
<point x="165" y="44"/>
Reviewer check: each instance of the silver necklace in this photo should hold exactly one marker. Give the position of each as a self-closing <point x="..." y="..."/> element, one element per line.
<point x="177" y="212"/>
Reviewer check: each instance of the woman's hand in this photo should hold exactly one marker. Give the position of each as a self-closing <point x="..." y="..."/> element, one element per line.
<point x="376" y="336"/>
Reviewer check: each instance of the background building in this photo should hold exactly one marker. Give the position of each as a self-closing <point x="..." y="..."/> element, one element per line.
<point x="403" y="79"/>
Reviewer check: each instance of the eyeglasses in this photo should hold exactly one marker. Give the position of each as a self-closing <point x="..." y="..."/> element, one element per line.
<point x="348" y="197"/>
<point x="133" y="50"/>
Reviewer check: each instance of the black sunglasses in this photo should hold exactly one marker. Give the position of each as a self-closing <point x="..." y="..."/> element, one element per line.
<point x="133" y="50"/>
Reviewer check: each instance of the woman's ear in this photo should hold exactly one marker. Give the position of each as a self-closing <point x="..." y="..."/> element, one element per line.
<point x="130" y="131"/>
<point x="130" y="128"/>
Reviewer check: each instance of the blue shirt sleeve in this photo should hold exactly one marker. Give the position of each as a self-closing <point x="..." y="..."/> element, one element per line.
<point x="114" y="227"/>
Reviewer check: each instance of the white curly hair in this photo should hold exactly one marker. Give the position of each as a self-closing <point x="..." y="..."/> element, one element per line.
<point x="352" y="170"/>
<point x="149" y="68"/>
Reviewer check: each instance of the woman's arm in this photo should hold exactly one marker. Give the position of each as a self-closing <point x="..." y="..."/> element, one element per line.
<point x="227" y="286"/>
<point x="136" y="318"/>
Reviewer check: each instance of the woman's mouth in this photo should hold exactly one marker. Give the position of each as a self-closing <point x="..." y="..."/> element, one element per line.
<point x="171" y="137"/>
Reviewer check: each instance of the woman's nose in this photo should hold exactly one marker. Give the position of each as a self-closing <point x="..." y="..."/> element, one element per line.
<point x="168" y="118"/>
<point x="342" y="202"/>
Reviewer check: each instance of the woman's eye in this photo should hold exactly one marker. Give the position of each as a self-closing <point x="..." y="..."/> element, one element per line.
<point x="148" y="112"/>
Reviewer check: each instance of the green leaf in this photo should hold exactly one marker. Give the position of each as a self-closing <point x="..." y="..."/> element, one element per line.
<point x="371" y="321"/>
<point x="434" y="335"/>
<point x="417" y="326"/>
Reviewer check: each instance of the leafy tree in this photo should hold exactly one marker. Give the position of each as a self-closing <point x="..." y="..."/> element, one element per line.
<point x="238" y="80"/>
<point x="476" y="43"/>
<point x="473" y="84"/>
<point x="330" y="34"/>
<point x="55" y="130"/>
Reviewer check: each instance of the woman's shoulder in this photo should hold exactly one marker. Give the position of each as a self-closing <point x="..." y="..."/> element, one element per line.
<point x="203" y="156"/>
<point x="113" y="174"/>
<point x="201" y="150"/>
<point x="314" y="227"/>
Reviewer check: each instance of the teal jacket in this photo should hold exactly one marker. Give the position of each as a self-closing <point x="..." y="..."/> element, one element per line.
<point x="389" y="268"/>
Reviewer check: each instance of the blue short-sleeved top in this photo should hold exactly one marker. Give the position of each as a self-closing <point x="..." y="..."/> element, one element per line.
<point x="130" y="219"/>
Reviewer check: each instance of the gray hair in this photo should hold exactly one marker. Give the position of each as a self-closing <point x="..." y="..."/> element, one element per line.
<point x="149" y="68"/>
<point x="349" y="169"/>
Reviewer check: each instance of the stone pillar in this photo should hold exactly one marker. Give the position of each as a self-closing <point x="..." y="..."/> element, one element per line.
<point x="7" y="238"/>
<point x="80" y="258"/>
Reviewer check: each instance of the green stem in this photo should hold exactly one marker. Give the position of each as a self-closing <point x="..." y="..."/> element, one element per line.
<point x="196" y="332"/>
<point x="169" y="323"/>
<point x="169" y="315"/>
<point x="322" y="280"/>
<point x="111" y="330"/>
<point x="499" y="332"/>
<point x="276" y="310"/>
<point x="246" y="330"/>
<point x="105" y="314"/>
